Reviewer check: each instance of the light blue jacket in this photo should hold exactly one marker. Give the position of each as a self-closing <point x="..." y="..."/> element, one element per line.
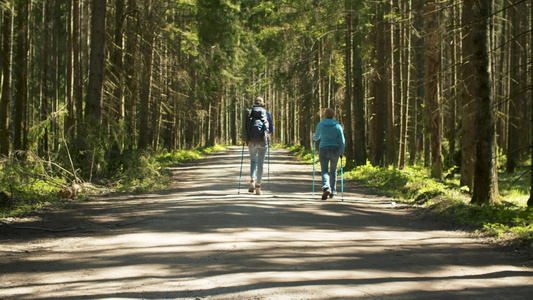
<point x="329" y="131"/>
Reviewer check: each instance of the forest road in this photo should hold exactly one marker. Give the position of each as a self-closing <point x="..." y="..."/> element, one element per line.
<point x="201" y="239"/>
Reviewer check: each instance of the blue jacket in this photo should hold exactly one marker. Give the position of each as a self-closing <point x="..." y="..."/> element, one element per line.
<point x="329" y="131"/>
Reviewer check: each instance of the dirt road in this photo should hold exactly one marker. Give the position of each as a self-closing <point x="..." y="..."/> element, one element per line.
<point x="203" y="240"/>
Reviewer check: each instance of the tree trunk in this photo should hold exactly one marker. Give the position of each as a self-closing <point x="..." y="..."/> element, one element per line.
<point x="117" y="70"/>
<point x="5" y="102"/>
<point x="415" y="132"/>
<point x="21" y="78"/>
<point x="130" y="74"/>
<point x="393" y="50"/>
<point x="486" y="177"/>
<point x="78" y="69"/>
<point x="93" y="103"/>
<point x="69" y="80"/>
<point x="44" y="80"/>
<point x="513" y="136"/>
<point x="467" y="95"/>
<point x="530" y="201"/>
<point x="377" y="89"/>
<point x="406" y="84"/>
<point x="431" y="91"/>
<point x="358" y="97"/>
<point x="348" y="101"/>
<point x="147" y="50"/>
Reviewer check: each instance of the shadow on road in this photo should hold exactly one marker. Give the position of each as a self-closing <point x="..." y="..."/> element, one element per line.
<point x="201" y="238"/>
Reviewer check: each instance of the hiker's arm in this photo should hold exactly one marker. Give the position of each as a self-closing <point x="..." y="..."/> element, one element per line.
<point x="318" y="133"/>
<point x="270" y="123"/>
<point x="341" y="140"/>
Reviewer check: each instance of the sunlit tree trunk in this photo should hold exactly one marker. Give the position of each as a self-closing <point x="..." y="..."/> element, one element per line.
<point x="358" y="96"/>
<point x="417" y="91"/>
<point x="348" y="101"/>
<point x="467" y="96"/>
<point x="486" y="175"/>
<point x="515" y="103"/>
<point x="377" y="88"/>
<point x="130" y="74"/>
<point x="116" y="107"/>
<point x="393" y="50"/>
<point x="431" y="92"/>
<point x="406" y="86"/>
<point x="147" y="50"/>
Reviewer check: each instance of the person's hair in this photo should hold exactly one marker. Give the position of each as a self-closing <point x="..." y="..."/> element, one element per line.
<point x="329" y="113"/>
<point x="259" y="101"/>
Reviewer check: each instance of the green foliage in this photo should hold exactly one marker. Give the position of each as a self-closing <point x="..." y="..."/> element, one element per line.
<point x="144" y="172"/>
<point x="301" y="153"/>
<point x="180" y="156"/>
<point x="27" y="185"/>
<point x="510" y="222"/>
<point x="30" y="184"/>
<point x="514" y="187"/>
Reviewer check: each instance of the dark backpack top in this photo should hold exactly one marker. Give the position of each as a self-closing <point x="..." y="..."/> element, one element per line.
<point x="258" y="126"/>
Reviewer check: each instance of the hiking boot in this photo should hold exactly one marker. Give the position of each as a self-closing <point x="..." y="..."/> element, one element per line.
<point x="325" y="194"/>
<point x="252" y="187"/>
<point x="331" y="195"/>
<point x="258" y="190"/>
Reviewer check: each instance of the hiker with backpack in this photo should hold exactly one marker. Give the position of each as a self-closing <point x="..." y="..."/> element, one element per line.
<point x="331" y="137"/>
<point x="257" y="127"/>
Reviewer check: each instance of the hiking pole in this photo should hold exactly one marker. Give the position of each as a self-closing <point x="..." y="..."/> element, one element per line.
<point x="342" y="183"/>
<point x="314" y="145"/>
<point x="240" y="174"/>
<point x="268" y="175"/>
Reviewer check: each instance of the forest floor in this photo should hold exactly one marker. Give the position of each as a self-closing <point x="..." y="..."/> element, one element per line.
<point x="202" y="239"/>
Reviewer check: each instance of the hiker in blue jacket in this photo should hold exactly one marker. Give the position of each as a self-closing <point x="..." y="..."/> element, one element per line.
<point x="331" y="137"/>
<point x="260" y="126"/>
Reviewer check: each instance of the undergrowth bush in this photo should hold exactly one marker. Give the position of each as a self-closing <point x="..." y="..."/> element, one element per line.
<point x="507" y="222"/>
<point x="29" y="184"/>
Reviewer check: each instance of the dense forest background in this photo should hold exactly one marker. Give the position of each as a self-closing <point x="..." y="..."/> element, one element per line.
<point x="445" y="83"/>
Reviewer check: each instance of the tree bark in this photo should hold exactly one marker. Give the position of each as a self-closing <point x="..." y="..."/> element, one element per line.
<point x="21" y="78"/>
<point x="348" y="101"/>
<point x="416" y="129"/>
<point x="69" y="80"/>
<point x="530" y="201"/>
<point x="147" y="50"/>
<point x="94" y="98"/>
<point x="78" y="68"/>
<point x="393" y="50"/>
<point x="431" y="91"/>
<point x="467" y="95"/>
<point x="513" y="136"/>
<point x="117" y="71"/>
<point x="5" y="102"/>
<point x="43" y="147"/>
<point x="130" y="74"/>
<point x="377" y="90"/>
<point x="406" y="83"/>
<point x="358" y="97"/>
<point x="486" y="176"/>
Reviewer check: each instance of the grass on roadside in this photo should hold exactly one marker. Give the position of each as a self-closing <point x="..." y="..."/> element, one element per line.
<point x="30" y="185"/>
